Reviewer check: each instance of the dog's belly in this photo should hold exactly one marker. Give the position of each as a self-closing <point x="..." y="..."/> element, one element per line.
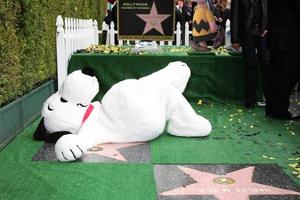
<point x="137" y="110"/>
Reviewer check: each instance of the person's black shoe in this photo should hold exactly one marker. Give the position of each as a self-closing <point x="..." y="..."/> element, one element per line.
<point x="261" y="104"/>
<point x="268" y="115"/>
<point x="292" y="118"/>
<point x="295" y="118"/>
<point x="286" y="116"/>
<point x="249" y="105"/>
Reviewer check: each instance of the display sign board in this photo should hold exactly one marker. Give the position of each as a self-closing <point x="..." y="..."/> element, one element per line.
<point x="146" y="19"/>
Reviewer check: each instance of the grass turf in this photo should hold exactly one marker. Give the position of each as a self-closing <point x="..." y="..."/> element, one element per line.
<point x="21" y="178"/>
<point x="239" y="137"/>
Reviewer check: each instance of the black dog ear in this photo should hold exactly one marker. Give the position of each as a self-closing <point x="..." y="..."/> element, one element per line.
<point x="88" y="71"/>
<point x="40" y="132"/>
<point x="53" y="137"/>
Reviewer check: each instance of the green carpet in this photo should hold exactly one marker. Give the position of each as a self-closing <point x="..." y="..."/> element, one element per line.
<point x="21" y="178"/>
<point x="239" y="136"/>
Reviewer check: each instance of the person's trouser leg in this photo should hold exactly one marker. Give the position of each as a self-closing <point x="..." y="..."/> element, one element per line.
<point x="250" y="70"/>
<point x="283" y="65"/>
<point x="264" y="60"/>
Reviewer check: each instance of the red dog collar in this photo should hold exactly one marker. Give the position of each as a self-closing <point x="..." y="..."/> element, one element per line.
<point x="87" y="113"/>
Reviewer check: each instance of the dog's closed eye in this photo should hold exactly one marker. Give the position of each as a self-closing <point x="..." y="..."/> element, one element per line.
<point x="63" y="100"/>
<point x="79" y="104"/>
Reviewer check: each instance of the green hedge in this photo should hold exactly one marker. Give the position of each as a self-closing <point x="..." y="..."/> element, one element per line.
<point x="10" y="51"/>
<point x="28" y="42"/>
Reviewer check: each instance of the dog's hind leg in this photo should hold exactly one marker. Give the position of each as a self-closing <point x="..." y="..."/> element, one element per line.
<point x="183" y="120"/>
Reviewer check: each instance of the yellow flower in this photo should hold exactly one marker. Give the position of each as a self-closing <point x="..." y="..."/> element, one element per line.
<point x="294" y="165"/>
<point x="292" y="132"/>
<point x="200" y="102"/>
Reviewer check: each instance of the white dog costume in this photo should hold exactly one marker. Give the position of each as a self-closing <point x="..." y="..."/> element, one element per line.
<point x="132" y="110"/>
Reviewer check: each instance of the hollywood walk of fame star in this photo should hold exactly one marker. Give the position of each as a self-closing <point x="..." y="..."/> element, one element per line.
<point x="236" y="185"/>
<point x="153" y="20"/>
<point x="111" y="150"/>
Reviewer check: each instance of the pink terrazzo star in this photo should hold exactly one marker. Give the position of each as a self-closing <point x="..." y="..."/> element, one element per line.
<point x="111" y="150"/>
<point x="153" y="20"/>
<point x="235" y="185"/>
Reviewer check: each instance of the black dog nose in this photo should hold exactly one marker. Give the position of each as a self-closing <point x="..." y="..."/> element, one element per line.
<point x="88" y="71"/>
<point x="50" y="109"/>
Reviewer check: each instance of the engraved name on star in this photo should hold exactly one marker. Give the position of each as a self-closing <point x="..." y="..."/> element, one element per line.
<point x="111" y="150"/>
<point x="153" y="20"/>
<point x="236" y="185"/>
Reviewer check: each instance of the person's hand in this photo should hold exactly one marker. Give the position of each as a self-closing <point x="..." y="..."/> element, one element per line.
<point x="220" y="19"/>
<point x="264" y="33"/>
<point x="236" y="46"/>
<point x="213" y="27"/>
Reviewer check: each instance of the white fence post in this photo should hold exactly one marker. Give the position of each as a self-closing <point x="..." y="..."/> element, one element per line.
<point x="178" y="34"/>
<point x="72" y="34"/>
<point x="76" y="32"/>
<point x="227" y="34"/>
<point x="96" y="34"/>
<point x="186" y="34"/>
<point x="60" y="50"/>
<point x="112" y="33"/>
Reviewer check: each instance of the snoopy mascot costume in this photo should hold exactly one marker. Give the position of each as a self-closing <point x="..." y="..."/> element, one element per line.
<point x="132" y="110"/>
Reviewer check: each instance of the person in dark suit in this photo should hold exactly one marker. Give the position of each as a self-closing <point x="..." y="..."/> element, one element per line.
<point x="112" y="16"/>
<point x="213" y="8"/>
<point x="180" y="17"/>
<point x="284" y="44"/>
<point x="248" y="29"/>
<point x="183" y="14"/>
<point x="187" y="8"/>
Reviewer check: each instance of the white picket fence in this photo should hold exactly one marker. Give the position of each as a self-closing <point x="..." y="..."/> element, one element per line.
<point x="72" y="35"/>
<point x="110" y="40"/>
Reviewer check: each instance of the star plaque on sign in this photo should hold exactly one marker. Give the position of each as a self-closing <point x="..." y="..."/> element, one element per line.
<point x="153" y="20"/>
<point x="146" y="20"/>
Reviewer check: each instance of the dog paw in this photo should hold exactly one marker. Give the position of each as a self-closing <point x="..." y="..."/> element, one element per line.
<point x="70" y="147"/>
